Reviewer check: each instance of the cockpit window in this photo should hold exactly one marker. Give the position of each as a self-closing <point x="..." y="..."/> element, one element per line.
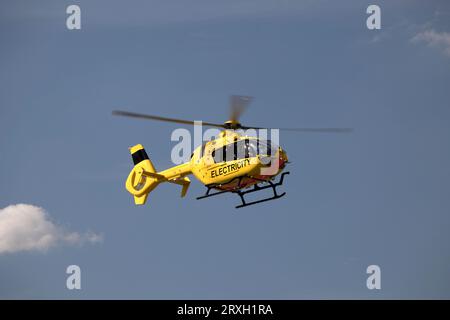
<point x="263" y="147"/>
<point x="266" y="147"/>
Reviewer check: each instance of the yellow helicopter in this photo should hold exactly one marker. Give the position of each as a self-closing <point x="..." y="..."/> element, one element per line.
<point x="232" y="162"/>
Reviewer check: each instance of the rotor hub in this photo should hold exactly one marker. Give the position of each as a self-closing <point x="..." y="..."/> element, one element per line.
<point x="232" y="124"/>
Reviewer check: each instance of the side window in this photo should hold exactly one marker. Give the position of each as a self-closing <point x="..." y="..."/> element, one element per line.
<point x="218" y="155"/>
<point x="231" y="152"/>
<point x="242" y="149"/>
<point x="239" y="150"/>
<point x="226" y="153"/>
<point x="252" y="148"/>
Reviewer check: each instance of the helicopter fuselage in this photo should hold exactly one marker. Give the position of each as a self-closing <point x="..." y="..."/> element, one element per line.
<point x="233" y="161"/>
<point x="228" y="163"/>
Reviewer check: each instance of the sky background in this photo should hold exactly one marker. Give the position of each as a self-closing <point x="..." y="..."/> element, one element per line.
<point x="379" y="195"/>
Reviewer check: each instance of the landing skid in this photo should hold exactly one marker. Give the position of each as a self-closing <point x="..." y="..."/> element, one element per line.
<point x="265" y="184"/>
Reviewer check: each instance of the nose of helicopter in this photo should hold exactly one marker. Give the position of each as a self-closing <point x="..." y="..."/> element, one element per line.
<point x="282" y="161"/>
<point x="274" y="167"/>
<point x="282" y="158"/>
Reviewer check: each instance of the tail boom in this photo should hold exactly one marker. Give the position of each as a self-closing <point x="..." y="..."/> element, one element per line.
<point x="143" y="178"/>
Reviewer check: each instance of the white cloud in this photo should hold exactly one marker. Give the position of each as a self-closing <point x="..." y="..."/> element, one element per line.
<point x="25" y="227"/>
<point x="434" y="39"/>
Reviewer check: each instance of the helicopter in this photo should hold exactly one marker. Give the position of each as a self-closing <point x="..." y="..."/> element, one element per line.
<point x="232" y="162"/>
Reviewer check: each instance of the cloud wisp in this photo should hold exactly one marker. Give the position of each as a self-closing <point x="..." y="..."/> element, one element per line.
<point x="25" y="227"/>
<point x="434" y="39"/>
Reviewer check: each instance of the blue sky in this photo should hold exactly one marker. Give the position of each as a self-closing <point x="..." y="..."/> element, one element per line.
<point x="376" y="196"/>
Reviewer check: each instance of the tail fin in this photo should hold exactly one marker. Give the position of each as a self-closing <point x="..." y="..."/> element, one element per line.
<point x="143" y="178"/>
<point x="140" y="182"/>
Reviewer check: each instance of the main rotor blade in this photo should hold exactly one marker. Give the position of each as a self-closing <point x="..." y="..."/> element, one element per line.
<point x="326" y="130"/>
<point x="158" y="118"/>
<point x="189" y="122"/>
<point x="238" y="104"/>
<point x="322" y="130"/>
